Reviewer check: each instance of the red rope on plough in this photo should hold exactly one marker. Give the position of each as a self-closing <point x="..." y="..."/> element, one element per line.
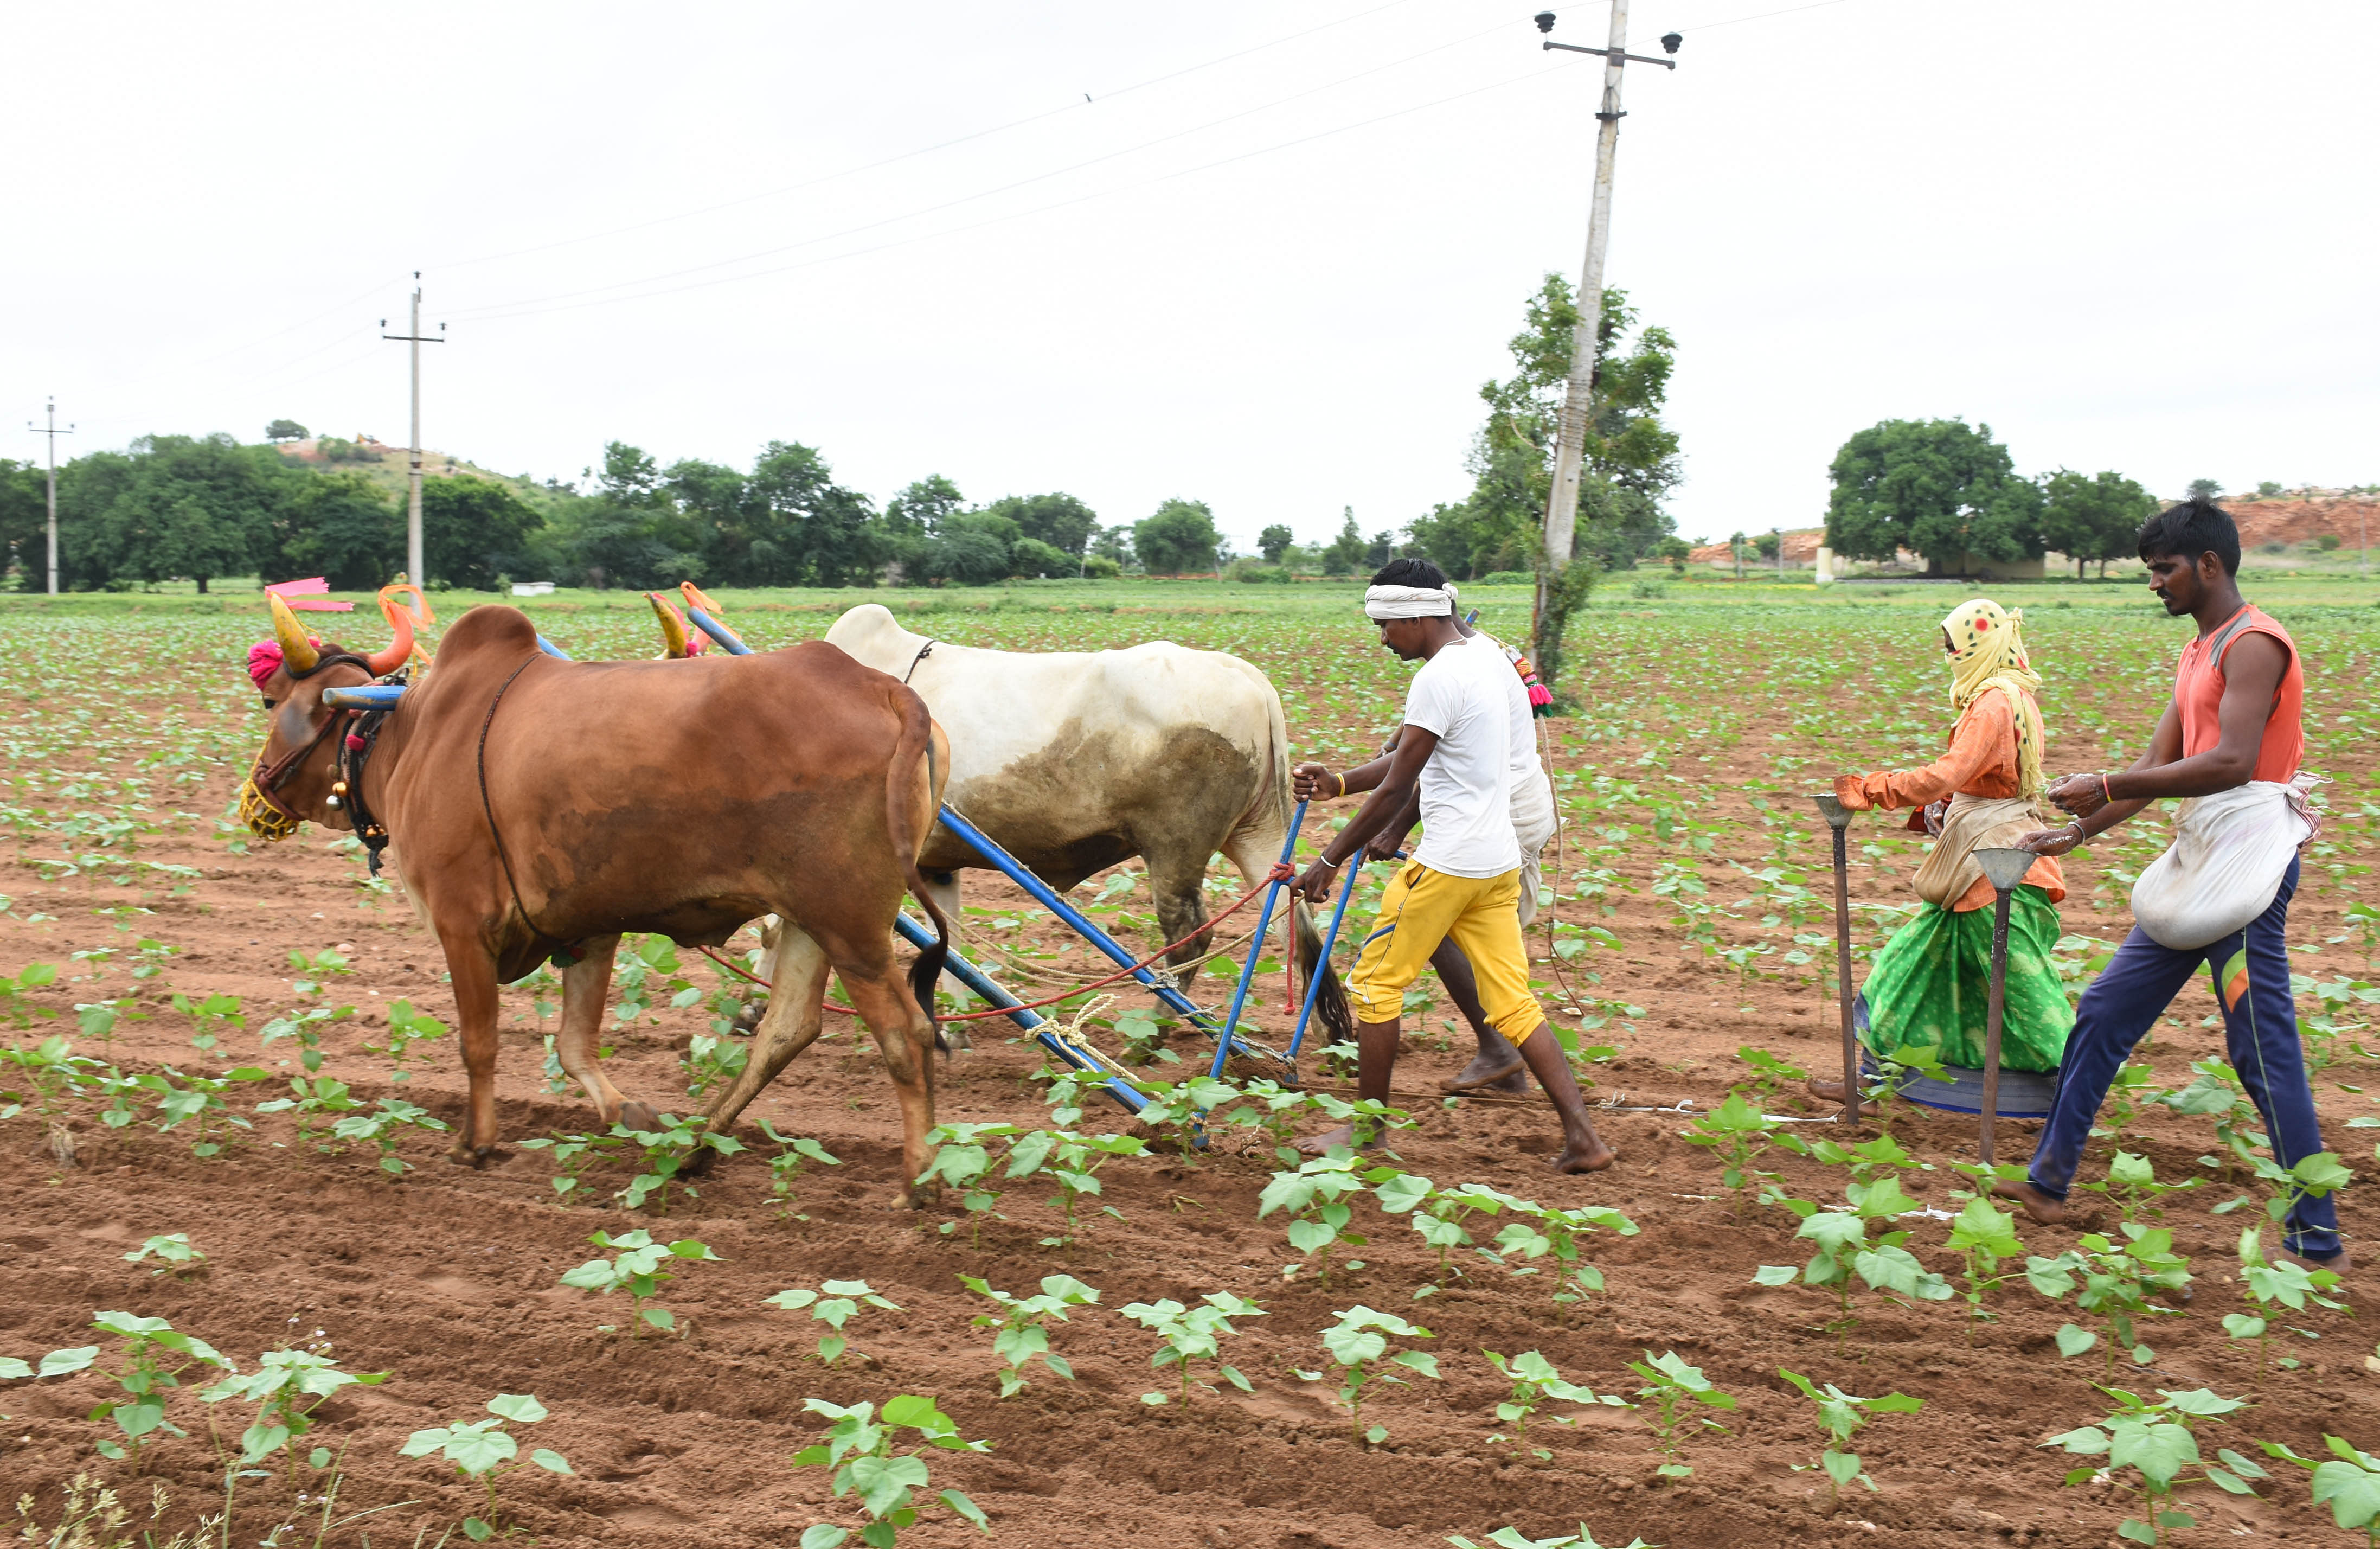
<point x="1279" y="873"/>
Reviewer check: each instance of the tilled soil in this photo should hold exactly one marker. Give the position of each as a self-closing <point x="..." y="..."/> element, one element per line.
<point x="449" y="1280"/>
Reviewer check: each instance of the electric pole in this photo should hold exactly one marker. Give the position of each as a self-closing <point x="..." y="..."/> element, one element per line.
<point x="1569" y="446"/>
<point x="53" y="432"/>
<point x="414" y="569"/>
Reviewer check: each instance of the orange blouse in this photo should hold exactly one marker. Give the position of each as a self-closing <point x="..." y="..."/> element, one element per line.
<point x="1982" y="762"/>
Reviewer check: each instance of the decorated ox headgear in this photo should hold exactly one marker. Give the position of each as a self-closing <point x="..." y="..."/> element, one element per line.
<point x="301" y="655"/>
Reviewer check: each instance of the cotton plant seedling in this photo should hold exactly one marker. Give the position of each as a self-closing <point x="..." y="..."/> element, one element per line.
<point x="1985" y="1237"/>
<point x="2269" y="1288"/>
<point x="1024" y="1326"/>
<point x="1670" y="1385"/>
<point x="1443" y="1212"/>
<point x="1356" y="1345"/>
<point x="861" y="1447"/>
<point x="2348" y="1481"/>
<point x="481" y="1449"/>
<point x="1843" y="1251"/>
<point x="667" y="1157"/>
<point x="1535" y="1380"/>
<point x="312" y="1098"/>
<point x="307" y="1027"/>
<point x="406" y="1027"/>
<point x="154" y="1355"/>
<point x="175" y="1255"/>
<point x="1073" y="1163"/>
<point x="382" y="1127"/>
<point x="2113" y="1281"/>
<point x="2159" y="1443"/>
<point x="1769" y="1074"/>
<point x="635" y="1267"/>
<point x="2126" y="1094"/>
<point x="962" y="1159"/>
<point x="286" y="1388"/>
<point x="1737" y="1132"/>
<point x="1318" y="1198"/>
<point x="2132" y="1181"/>
<point x="573" y="1154"/>
<point x="1514" y="1538"/>
<point x="1545" y="1229"/>
<point x="2311" y="1177"/>
<point x="1923" y="1060"/>
<point x="712" y="1061"/>
<point x="793" y="1152"/>
<point x="1841" y="1415"/>
<point x="1193" y="1333"/>
<point x="14" y="1006"/>
<point x="833" y="1304"/>
<point x="210" y="1018"/>
<point x="2215" y="1091"/>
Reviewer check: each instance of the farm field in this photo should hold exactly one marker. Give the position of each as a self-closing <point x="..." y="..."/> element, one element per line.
<point x="1692" y="920"/>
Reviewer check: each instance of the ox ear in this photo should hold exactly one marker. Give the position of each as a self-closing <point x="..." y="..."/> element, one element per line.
<point x="673" y="626"/>
<point x="296" y="649"/>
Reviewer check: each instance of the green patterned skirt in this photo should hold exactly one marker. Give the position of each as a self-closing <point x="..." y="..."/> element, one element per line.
<point x="1932" y="983"/>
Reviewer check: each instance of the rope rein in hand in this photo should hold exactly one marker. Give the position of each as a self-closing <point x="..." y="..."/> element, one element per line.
<point x="1279" y="873"/>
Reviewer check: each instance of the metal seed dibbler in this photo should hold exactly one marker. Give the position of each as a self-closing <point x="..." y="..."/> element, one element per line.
<point x="2004" y="869"/>
<point x="1839" y="818"/>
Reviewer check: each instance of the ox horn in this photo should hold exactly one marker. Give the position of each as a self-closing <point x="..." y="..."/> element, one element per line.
<point x="296" y="651"/>
<point x="673" y="626"/>
<point x="400" y="620"/>
<point x="697" y="598"/>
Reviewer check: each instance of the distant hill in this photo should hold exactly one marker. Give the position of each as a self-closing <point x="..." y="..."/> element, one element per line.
<point x="387" y="466"/>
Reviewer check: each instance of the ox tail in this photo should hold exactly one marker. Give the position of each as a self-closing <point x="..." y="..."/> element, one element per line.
<point x="913" y="756"/>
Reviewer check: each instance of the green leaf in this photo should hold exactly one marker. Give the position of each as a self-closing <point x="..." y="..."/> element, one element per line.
<point x="884" y="1482"/>
<point x="58" y="1364"/>
<point x="475" y="1450"/>
<point x="824" y="1535"/>
<point x="11" y="1368"/>
<point x="1841" y="1467"/>
<point x="2073" y="1341"/>
<point x="1775" y="1274"/>
<point x="965" y="1508"/>
<point x="913" y="1410"/>
<point x="549" y="1460"/>
<point x="517" y="1406"/>
<point x="476" y="1531"/>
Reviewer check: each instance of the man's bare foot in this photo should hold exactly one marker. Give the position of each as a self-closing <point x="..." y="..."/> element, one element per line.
<point x="1827" y="1090"/>
<point x="1592" y="1157"/>
<point x="2336" y="1263"/>
<point x="2038" y="1206"/>
<point x="1330" y="1140"/>
<point x="1487" y="1072"/>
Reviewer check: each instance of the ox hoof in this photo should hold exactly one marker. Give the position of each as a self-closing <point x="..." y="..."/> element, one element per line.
<point x="950" y="1037"/>
<point x="700" y="1163"/>
<point x="639" y="1116"/>
<point x="748" y="1020"/>
<point x="464" y="1155"/>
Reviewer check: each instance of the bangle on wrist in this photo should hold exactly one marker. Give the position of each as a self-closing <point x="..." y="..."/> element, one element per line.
<point x="1343" y="784"/>
<point x="2107" y="792"/>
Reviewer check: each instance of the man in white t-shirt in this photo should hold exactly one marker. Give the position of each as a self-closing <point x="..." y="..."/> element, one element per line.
<point x="1464" y="881"/>
<point x="1498" y="1067"/>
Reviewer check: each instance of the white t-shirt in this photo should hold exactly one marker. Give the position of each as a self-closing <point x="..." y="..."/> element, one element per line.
<point x="1466" y="786"/>
<point x="1532" y="793"/>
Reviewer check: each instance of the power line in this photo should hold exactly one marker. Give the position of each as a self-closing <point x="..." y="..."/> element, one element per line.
<point x="943" y="233"/>
<point x="506" y="308"/>
<point x="921" y="151"/>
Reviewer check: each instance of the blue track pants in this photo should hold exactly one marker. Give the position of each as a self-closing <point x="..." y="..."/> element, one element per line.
<point x="2251" y="971"/>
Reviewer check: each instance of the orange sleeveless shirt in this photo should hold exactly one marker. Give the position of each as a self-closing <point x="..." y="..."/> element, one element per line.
<point x="2198" y="692"/>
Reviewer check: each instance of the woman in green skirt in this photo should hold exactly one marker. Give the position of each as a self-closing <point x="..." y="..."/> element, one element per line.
<point x="1931" y="985"/>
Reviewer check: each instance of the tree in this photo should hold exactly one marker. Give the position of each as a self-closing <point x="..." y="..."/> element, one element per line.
<point x="1180" y="537"/>
<point x="199" y="506"/>
<point x="1114" y="545"/>
<point x="1343" y="553"/>
<point x="622" y="534"/>
<point x="2094" y="516"/>
<point x="24" y="521"/>
<point x="2206" y="489"/>
<point x="284" y="430"/>
<point x="473" y="531"/>
<point x="346" y="528"/>
<point x="972" y="548"/>
<point x="1058" y="519"/>
<point x="1031" y="557"/>
<point x="819" y="531"/>
<point x="1274" y="541"/>
<point x="1934" y="486"/>
<point x="924" y="506"/>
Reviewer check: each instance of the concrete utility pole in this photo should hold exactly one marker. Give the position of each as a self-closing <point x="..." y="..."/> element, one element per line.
<point x="53" y="432"/>
<point x="1570" y="449"/>
<point x="413" y="563"/>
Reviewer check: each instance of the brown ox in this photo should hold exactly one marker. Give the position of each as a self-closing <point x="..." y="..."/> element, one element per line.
<point x="540" y="808"/>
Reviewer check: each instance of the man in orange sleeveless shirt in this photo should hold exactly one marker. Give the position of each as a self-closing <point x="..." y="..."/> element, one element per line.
<point x="2234" y="720"/>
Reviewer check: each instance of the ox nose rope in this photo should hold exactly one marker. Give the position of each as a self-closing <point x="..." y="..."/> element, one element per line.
<point x="1279" y="873"/>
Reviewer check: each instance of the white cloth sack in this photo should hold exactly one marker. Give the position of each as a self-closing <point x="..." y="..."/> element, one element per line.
<point x="2225" y="867"/>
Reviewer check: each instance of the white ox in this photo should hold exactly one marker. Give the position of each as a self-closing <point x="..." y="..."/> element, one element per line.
<point x="1075" y="761"/>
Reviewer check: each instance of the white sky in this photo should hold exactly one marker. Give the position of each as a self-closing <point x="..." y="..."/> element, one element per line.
<point x="2127" y="234"/>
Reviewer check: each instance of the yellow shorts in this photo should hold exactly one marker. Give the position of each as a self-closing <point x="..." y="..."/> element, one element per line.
<point x="1423" y="908"/>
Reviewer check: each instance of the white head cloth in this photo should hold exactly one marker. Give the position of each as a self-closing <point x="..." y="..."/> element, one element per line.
<point x="1384" y="602"/>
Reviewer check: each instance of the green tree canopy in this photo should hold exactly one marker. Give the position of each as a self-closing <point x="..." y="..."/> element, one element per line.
<point x="1936" y="487"/>
<point x="173" y="505"/>
<point x="2094" y="516"/>
<point x="1058" y="519"/>
<point x="1179" y="537"/>
<point x="284" y="430"/>
<point x="24" y="521"/>
<point x="473" y="531"/>
<point x="345" y="528"/>
<point x="1632" y="459"/>
<point x="1343" y="553"/>
<point x="1274" y="541"/>
<point x="2206" y="489"/>
<point x="924" y="506"/>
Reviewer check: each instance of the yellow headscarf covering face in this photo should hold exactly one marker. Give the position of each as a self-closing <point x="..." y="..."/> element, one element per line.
<point x="1987" y="651"/>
